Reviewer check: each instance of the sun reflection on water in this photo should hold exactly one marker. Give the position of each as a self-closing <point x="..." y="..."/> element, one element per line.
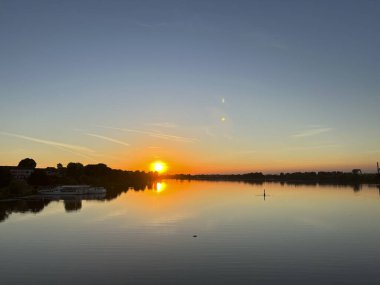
<point x="160" y="187"/>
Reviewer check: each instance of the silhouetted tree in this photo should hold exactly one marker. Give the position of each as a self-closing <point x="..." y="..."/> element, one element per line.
<point x="27" y="163"/>
<point x="75" y="169"/>
<point x="96" y="169"/>
<point x="39" y="178"/>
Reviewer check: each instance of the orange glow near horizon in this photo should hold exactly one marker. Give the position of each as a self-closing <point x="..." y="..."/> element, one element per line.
<point x="168" y="157"/>
<point x="269" y="166"/>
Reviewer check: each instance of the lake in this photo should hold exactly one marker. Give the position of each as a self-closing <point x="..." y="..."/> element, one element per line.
<point x="196" y="232"/>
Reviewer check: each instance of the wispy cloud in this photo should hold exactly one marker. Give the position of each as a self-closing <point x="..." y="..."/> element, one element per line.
<point x="171" y="137"/>
<point x="147" y="25"/>
<point x="298" y="148"/>
<point x="155" y="134"/>
<point x="246" y="152"/>
<point x="166" y="125"/>
<point x="48" y="142"/>
<point x="108" y="139"/>
<point x="76" y="153"/>
<point x="312" y="132"/>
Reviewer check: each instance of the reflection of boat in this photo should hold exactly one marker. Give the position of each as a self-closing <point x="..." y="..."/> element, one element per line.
<point x="67" y="197"/>
<point x="73" y="190"/>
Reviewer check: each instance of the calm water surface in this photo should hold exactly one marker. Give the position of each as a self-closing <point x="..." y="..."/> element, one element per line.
<point x="297" y="235"/>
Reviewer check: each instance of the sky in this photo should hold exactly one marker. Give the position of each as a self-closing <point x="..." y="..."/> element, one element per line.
<point x="204" y="86"/>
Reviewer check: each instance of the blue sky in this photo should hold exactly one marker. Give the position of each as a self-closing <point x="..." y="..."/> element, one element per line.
<point x="208" y="86"/>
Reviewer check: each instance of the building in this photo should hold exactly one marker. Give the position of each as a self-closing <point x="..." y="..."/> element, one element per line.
<point x="21" y="173"/>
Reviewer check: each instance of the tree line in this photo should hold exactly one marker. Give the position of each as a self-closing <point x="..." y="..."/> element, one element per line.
<point x="322" y="177"/>
<point x="74" y="173"/>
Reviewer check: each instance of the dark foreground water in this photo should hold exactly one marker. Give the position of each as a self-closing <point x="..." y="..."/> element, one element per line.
<point x="297" y="235"/>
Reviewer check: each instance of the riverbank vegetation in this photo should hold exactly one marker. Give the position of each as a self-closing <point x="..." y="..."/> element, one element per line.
<point x="26" y="179"/>
<point x="13" y="185"/>
<point x="333" y="177"/>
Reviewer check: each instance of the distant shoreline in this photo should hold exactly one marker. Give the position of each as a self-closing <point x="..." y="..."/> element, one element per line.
<point x="312" y="178"/>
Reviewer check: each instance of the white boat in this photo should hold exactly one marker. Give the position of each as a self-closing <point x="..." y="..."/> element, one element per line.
<point x="73" y="190"/>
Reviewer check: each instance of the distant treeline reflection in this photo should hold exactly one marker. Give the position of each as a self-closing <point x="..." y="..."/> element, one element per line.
<point x="35" y="204"/>
<point x="120" y="181"/>
<point x="307" y="178"/>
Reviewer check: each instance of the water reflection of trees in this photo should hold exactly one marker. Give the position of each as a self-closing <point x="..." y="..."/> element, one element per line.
<point x="356" y="187"/>
<point x="37" y="203"/>
<point x="307" y="178"/>
<point x="72" y="203"/>
<point x="21" y="206"/>
<point x="115" y="191"/>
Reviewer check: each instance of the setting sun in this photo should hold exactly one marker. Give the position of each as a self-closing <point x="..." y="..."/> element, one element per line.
<point x="158" y="166"/>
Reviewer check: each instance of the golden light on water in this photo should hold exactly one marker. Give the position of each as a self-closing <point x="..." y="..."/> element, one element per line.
<point x="158" y="166"/>
<point x="160" y="186"/>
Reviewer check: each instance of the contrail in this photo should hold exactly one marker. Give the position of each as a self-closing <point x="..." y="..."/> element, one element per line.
<point x="312" y="132"/>
<point x="47" y="142"/>
<point x="76" y="153"/>
<point x="154" y="134"/>
<point x="108" y="139"/>
<point x="312" y="147"/>
<point x="162" y="125"/>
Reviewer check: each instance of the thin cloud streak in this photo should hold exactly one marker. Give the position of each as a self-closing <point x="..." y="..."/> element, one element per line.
<point x="152" y="26"/>
<point x="167" y="125"/>
<point x="47" y="142"/>
<point x="312" y="147"/>
<point x="154" y="134"/>
<point x="76" y="153"/>
<point x="312" y="132"/>
<point x="246" y="152"/>
<point x="171" y="137"/>
<point x="108" y="139"/>
<point x="93" y="157"/>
